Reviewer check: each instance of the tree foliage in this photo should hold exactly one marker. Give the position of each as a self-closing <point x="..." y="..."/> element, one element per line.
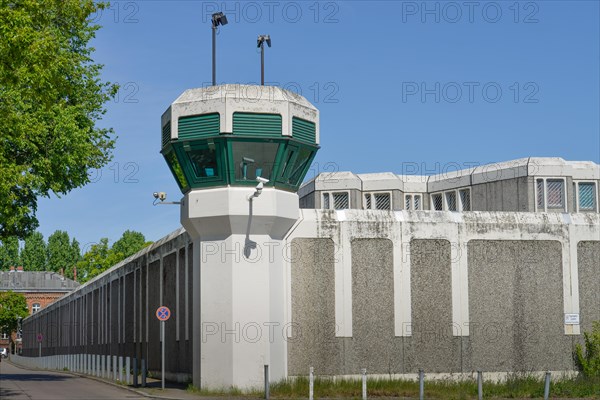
<point x="130" y="243"/>
<point x="62" y="253"/>
<point x="34" y="254"/>
<point x="9" y="253"/>
<point x="589" y="360"/>
<point x="101" y="256"/>
<point x="51" y="97"/>
<point x="94" y="261"/>
<point x="12" y="307"/>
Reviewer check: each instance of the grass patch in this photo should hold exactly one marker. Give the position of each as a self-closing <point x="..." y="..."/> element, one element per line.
<point x="515" y="386"/>
<point x="225" y="392"/>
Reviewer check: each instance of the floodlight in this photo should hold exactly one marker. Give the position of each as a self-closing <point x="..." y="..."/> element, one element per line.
<point x="219" y="18"/>
<point x="260" y="42"/>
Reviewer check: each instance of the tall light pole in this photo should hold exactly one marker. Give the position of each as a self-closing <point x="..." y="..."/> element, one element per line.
<point x="217" y="19"/>
<point x="261" y="43"/>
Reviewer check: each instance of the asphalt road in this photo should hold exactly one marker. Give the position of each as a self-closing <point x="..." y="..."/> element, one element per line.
<point x="21" y="384"/>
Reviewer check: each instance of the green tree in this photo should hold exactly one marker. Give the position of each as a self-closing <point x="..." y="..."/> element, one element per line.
<point x="9" y="253"/>
<point x="13" y="306"/>
<point x="59" y="252"/>
<point x="101" y="257"/>
<point x="74" y="257"/>
<point x="589" y="361"/>
<point x="95" y="261"/>
<point x="130" y="243"/>
<point x="51" y="97"/>
<point x="34" y="254"/>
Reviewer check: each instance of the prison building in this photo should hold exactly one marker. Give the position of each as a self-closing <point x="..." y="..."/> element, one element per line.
<point x="494" y="268"/>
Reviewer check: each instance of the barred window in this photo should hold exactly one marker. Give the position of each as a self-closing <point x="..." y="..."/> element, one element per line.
<point x="340" y="201"/>
<point x="437" y="202"/>
<point x="465" y="199"/>
<point x="539" y="185"/>
<point x="417" y="202"/>
<point x="378" y="201"/>
<point x="550" y="194"/>
<point x="326" y="201"/>
<point x="35" y="308"/>
<point x="383" y="201"/>
<point x="413" y="202"/>
<point x="587" y="196"/>
<point x="451" y="201"/>
<point x="555" y="190"/>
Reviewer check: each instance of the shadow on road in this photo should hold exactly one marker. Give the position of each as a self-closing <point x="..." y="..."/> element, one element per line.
<point x="6" y="393"/>
<point x="33" y="377"/>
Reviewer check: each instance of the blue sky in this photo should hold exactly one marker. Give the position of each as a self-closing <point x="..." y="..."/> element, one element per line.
<point x="401" y="86"/>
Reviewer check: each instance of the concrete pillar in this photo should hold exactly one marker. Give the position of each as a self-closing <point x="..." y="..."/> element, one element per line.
<point x="239" y="291"/>
<point x="105" y="366"/>
<point x="114" y="368"/>
<point x="128" y="370"/>
<point x="120" y="368"/>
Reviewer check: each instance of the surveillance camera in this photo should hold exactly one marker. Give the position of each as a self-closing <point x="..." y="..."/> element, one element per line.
<point x="162" y="196"/>
<point x="259" y="187"/>
<point x="262" y="180"/>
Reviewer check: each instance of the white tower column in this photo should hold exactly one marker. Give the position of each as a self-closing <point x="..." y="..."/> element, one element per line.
<point x="239" y="300"/>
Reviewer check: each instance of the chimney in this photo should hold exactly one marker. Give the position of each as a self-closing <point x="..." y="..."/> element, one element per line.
<point x="75" y="274"/>
<point x="20" y="269"/>
<point x="12" y="268"/>
<point x="62" y="272"/>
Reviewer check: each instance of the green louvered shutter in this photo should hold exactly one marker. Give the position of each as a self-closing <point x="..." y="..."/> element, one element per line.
<point x="304" y="131"/>
<point x="249" y="124"/>
<point x="198" y="126"/>
<point x="166" y="134"/>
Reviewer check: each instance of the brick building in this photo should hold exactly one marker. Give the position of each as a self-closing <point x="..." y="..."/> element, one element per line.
<point x="40" y="288"/>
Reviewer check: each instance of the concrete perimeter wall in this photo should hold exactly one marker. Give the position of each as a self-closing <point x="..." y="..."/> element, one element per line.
<point x="113" y="314"/>
<point x="392" y="292"/>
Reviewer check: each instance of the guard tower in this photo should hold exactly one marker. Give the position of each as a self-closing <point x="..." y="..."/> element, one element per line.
<point x="239" y="154"/>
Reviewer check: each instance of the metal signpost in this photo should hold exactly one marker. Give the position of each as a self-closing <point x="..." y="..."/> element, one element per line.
<point x="40" y="337"/>
<point x="163" y="313"/>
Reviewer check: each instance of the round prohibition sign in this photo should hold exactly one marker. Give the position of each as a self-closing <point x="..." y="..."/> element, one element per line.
<point x="163" y="313"/>
<point x="40" y="337"/>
